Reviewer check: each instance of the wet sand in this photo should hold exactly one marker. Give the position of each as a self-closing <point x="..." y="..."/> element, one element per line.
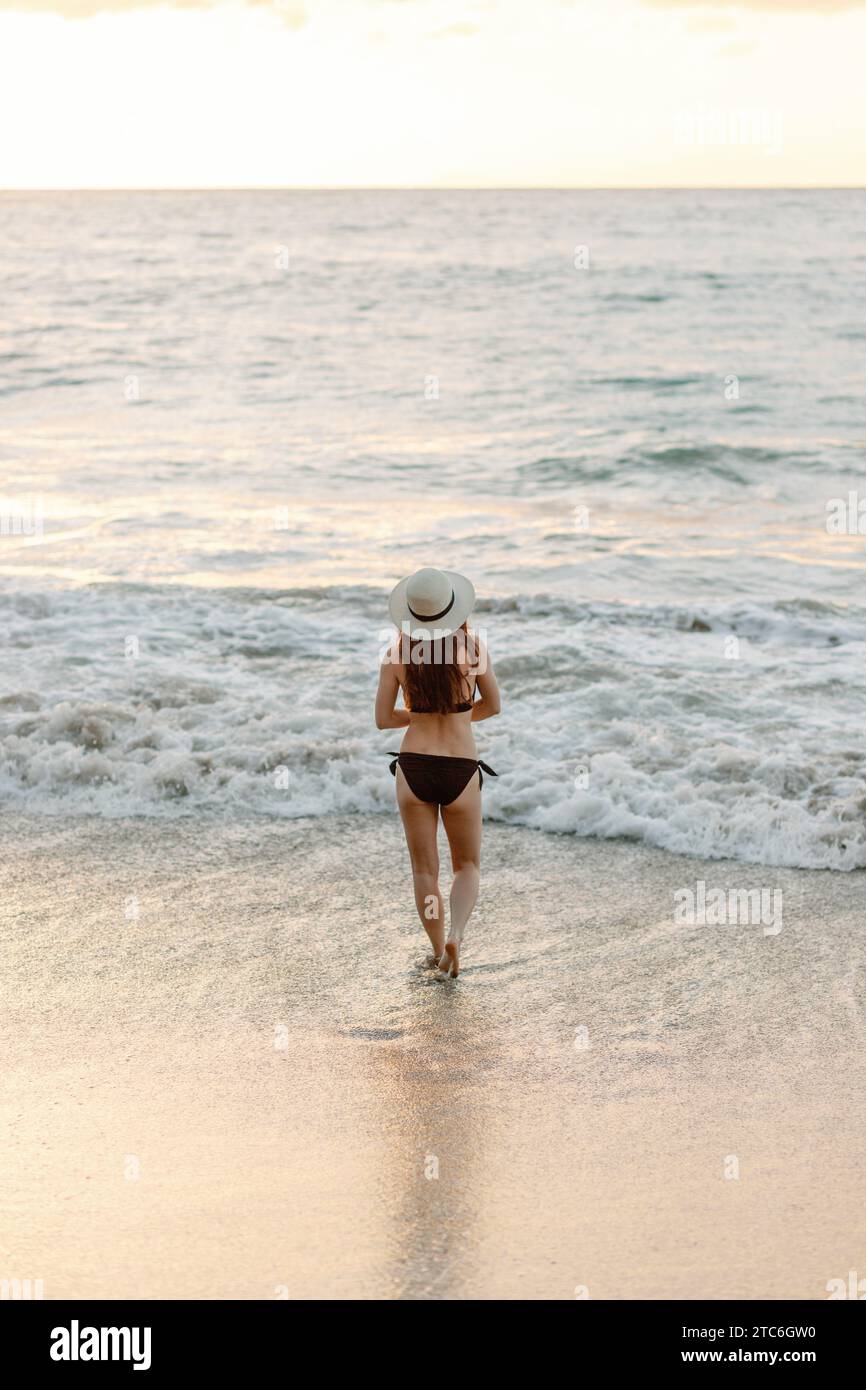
<point x="244" y="1084"/>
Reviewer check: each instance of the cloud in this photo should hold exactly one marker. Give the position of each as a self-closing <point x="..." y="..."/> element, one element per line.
<point x="83" y="9"/>
<point x="710" y="24"/>
<point x="293" y="12"/>
<point x="779" y="6"/>
<point x="462" y="30"/>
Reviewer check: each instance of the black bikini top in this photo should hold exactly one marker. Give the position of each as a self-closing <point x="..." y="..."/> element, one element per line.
<point x="458" y="709"/>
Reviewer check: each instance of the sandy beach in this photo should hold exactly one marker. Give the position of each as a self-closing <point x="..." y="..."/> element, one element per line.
<point x="228" y="1074"/>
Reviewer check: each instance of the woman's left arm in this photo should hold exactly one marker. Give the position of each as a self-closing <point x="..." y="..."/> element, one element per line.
<point x="387" y="717"/>
<point x="487" y="686"/>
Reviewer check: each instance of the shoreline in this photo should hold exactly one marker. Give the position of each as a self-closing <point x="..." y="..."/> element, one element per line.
<point x="27" y="824"/>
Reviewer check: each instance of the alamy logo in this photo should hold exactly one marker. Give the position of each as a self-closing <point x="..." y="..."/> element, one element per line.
<point x="846" y="516"/>
<point x="76" y="1343"/>
<point x="22" y="517"/>
<point x="16" y="1289"/>
<point x="713" y="907"/>
<point x="855" y="1287"/>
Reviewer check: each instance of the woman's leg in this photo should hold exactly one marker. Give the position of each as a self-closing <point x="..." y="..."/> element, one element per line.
<point x="420" y="822"/>
<point x="462" y="821"/>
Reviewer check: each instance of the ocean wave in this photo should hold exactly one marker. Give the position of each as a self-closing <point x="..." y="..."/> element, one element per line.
<point x="729" y="462"/>
<point x="713" y="800"/>
<point x="651" y="382"/>
<point x="618" y="720"/>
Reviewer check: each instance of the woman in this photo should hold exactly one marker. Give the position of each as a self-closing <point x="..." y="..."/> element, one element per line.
<point x="439" y="665"/>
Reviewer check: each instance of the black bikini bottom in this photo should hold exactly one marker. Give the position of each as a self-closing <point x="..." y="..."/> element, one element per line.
<point x="437" y="779"/>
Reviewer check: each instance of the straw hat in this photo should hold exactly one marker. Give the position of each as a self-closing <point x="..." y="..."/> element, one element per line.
<point x="431" y="603"/>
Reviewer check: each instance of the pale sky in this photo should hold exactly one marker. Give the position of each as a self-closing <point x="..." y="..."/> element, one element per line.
<point x="418" y="93"/>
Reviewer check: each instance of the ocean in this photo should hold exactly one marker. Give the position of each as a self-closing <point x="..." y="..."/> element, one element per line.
<point x="232" y="420"/>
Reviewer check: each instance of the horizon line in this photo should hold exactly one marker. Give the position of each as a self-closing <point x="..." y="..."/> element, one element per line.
<point x="451" y="188"/>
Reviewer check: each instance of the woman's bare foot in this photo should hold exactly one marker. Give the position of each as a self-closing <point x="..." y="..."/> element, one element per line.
<point x="449" y="961"/>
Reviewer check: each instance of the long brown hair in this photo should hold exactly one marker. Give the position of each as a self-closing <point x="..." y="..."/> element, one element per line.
<point x="434" y="683"/>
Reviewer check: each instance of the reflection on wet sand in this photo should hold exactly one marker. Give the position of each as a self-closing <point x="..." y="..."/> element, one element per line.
<point x="436" y="1127"/>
